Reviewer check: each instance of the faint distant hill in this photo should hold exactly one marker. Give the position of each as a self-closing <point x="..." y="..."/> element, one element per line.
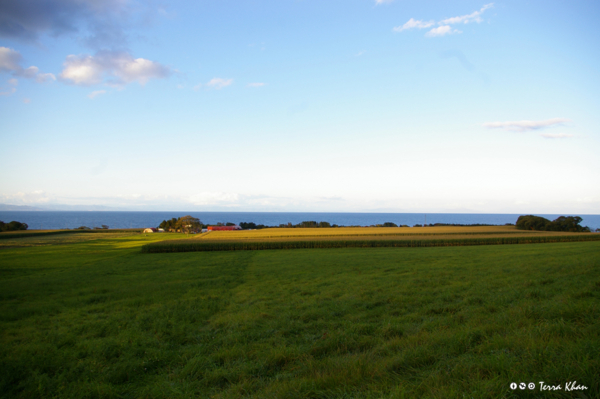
<point x="57" y="207"/>
<point x="7" y="207"/>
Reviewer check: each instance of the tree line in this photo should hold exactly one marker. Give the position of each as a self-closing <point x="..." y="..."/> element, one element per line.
<point x="13" y="226"/>
<point x="188" y="224"/>
<point x="562" y="223"/>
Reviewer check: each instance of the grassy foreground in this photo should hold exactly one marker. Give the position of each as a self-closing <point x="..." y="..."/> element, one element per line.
<point x="101" y="319"/>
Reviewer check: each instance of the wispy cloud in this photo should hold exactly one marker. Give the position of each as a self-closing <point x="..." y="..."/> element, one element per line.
<point x="556" y="135"/>
<point x="413" y="23"/>
<point x="219" y="83"/>
<point x="10" y="62"/>
<point x="96" y="93"/>
<point x="112" y="68"/>
<point x="465" y="19"/>
<point x="442" y="31"/>
<point x="257" y="84"/>
<point x="523" y="126"/>
<point x="378" y="2"/>
<point x="444" y="28"/>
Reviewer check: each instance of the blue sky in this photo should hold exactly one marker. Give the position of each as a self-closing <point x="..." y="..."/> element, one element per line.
<point x="399" y="106"/>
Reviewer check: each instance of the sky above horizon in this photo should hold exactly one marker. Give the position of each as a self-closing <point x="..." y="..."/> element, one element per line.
<point x="300" y="105"/>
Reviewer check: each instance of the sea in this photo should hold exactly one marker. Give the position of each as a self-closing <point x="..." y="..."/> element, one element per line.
<point x="121" y="220"/>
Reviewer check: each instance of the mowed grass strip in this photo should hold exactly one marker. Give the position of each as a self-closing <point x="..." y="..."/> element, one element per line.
<point x="37" y="233"/>
<point x="246" y="245"/>
<point x="33" y="240"/>
<point x="100" y="319"/>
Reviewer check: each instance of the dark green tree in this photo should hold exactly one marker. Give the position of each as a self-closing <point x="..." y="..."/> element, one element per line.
<point x="567" y="223"/>
<point x="188" y="224"/>
<point x="13" y="226"/>
<point x="248" y="225"/>
<point x="530" y="222"/>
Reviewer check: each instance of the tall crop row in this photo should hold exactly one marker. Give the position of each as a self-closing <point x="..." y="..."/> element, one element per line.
<point x="193" y="246"/>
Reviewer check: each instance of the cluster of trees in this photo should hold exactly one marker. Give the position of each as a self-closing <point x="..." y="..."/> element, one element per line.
<point x="529" y="222"/>
<point x="562" y="223"/>
<point x="252" y="226"/>
<point x="184" y="224"/>
<point x="310" y="224"/>
<point x="313" y="224"/>
<point x="12" y="226"/>
<point x="104" y="227"/>
<point x="389" y="224"/>
<point x="465" y="225"/>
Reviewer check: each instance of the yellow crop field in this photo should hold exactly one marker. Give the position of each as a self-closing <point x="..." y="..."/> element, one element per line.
<point x="367" y="232"/>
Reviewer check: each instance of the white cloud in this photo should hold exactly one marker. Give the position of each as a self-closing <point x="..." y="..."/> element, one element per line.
<point x="34" y="73"/>
<point x="412" y="23"/>
<point x="383" y="1"/>
<point x="219" y="83"/>
<point x="21" y="198"/>
<point x="13" y="82"/>
<point x="113" y="68"/>
<point x="26" y="100"/>
<point x="556" y="135"/>
<point x="465" y="19"/>
<point x="82" y="70"/>
<point x="96" y="93"/>
<point x="214" y="198"/>
<point x="522" y="126"/>
<point x="444" y="28"/>
<point x="256" y="84"/>
<point x="442" y="31"/>
<point x="45" y="77"/>
<point x="10" y="62"/>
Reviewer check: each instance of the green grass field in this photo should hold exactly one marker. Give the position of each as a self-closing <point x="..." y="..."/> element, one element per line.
<point x="100" y="319"/>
